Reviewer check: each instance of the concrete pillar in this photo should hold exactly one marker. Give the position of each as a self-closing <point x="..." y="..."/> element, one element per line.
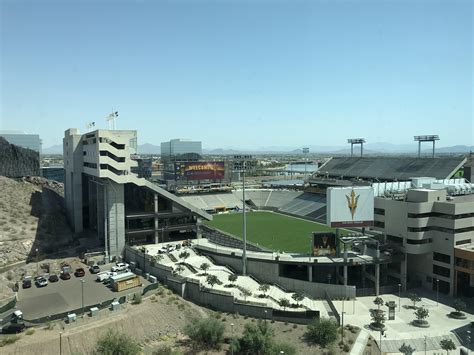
<point x="363" y="276"/>
<point x="377" y="279"/>
<point x="403" y="274"/>
<point x="345" y="275"/>
<point x="310" y="273"/>
<point x="157" y="236"/>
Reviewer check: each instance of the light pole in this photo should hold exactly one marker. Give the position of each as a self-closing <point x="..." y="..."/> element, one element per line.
<point x="232" y="337"/>
<point x="425" y="344"/>
<point x="244" y="252"/>
<point x="82" y="288"/>
<point x="342" y="327"/>
<point x="469" y="339"/>
<point x="265" y="316"/>
<point x="354" y="300"/>
<point x="37" y="266"/>
<point x="60" y="343"/>
<point x="437" y="292"/>
<point x="399" y="295"/>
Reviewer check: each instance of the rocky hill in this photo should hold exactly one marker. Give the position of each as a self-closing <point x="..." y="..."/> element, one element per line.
<point x="16" y="161"/>
<point x="31" y="217"/>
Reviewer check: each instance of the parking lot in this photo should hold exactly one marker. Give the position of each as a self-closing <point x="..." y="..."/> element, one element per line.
<point x="65" y="295"/>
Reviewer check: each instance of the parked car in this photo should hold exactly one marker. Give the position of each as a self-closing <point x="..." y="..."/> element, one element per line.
<point x="41" y="282"/>
<point x="53" y="278"/>
<point x="26" y="282"/>
<point x="94" y="269"/>
<point x="13" y="328"/>
<point x="65" y="275"/>
<point x="120" y="267"/>
<point x="79" y="272"/>
<point x="102" y="276"/>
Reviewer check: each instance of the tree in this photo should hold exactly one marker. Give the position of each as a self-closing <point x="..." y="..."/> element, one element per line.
<point x="298" y="296"/>
<point x="414" y="298"/>
<point x="184" y="255"/>
<point x="205" y="333"/>
<point x="115" y="343"/>
<point x="459" y="306"/>
<point x="378" y="317"/>
<point x="232" y="278"/>
<point x="212" y="280"/>
<point x="179" y="269"/>
<point x="204" y="267"/>
<point x="448" y="345"/>
<point x="322" y="331"/>
<point x="406" y="349"/>
<point x="158" y="258"/>
<point x="257" y="338"/>
<point x="283" y="302"/>
<point x="245" y="292"/>
<point x="421" y="314"/>
<point x="378" y="302"/>
<point x="264" y="288"/>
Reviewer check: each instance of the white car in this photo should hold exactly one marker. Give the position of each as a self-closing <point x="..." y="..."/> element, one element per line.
<point x="120" y="267"/>
<point x="41" y="282"/>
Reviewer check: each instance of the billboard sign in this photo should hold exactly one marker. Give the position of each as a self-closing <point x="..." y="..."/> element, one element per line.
<point x="350" y="207"/>
<point x="201" y="170"/>
<point x="324" y="244"/>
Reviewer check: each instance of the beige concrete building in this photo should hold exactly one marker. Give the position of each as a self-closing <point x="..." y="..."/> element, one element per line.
<point x="429" y="226"/>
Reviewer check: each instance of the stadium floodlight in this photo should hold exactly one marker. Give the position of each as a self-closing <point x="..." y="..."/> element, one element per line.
<point x="426" y="138"/>
<point x="353" y="141"/>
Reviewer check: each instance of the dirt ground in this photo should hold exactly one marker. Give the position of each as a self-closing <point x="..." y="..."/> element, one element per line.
<point x="156" y="322"/>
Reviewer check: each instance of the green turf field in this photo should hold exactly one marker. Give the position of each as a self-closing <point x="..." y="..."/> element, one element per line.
<point x="271" y="230"/>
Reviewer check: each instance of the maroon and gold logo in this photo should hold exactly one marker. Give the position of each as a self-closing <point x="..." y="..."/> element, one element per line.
<point x="352" y="202"/>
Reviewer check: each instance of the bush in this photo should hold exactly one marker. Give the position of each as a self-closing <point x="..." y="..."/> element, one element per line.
<point x="137" y="298"/>
<point x="322" y="331"/>
<point x="9" y="340"/>
<point x="205" y="333"/>
<point x="346" y="348"/>
<point x="30" y="331"/>
<point x="115" y="343"/>
<point x="459" y="306"/>
<point x="406" y="349"/>
<point x="287" y="349"/>
<point x="257" y="338"/>
<point x="166" y="350"/>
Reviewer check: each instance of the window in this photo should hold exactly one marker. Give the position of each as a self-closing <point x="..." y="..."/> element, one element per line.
<point x="379" y="211"/>
<point x="465" y="241"/>
<point x="379" y="224"/>
<point x="421" y="241"/>
<point x="441" y="271"/>
<point x="441" y="258"/>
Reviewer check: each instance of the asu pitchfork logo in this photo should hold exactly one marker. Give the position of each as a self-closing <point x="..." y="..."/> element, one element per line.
<point x="352" y="202"/>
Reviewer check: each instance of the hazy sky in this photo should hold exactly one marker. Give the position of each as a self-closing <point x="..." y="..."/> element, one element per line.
<point x="242" y="74"/>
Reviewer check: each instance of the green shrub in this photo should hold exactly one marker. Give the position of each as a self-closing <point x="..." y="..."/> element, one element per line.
<point x="30" y="331"/>
<point x="137" y="298"/>
<point x="115" y="343"/>
<point x="257" y="338"/>
<point x="346" y="348"/>
<point x="205" y="333"/>
<point x="166" y="350"/>
<point x="322" y="331"/>
<point x="9" y="340"/>
<point x="287" y="349"/>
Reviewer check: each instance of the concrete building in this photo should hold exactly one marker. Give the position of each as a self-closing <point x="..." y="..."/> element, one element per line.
<point x="22" y="139"/>
<point x="103" y="196"/>
<point x="181" y="150"/>
<point x="429" y="226"/>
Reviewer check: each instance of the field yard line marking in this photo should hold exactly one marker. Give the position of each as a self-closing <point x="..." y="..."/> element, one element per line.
<point x="268" y="198"/>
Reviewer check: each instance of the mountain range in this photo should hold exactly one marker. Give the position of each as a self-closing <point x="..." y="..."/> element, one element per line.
<point x="369" y="148"/>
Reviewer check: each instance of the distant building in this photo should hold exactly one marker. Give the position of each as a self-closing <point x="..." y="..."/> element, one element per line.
<point x="104" y="197"/>
<point x="24" y="140"/>
<point x="181" y="150"/>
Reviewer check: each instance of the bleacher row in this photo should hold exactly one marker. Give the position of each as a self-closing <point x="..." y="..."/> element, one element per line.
<point x="292" y="202"/>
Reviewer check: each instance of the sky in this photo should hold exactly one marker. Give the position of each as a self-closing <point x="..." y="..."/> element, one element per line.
<point x="240" y="74"/>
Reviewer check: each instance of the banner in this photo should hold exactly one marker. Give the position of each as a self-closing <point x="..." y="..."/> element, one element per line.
<point x="213" y="170"/>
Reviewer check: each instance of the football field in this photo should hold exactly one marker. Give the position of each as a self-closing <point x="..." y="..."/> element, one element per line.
<point x="271" y="230"/>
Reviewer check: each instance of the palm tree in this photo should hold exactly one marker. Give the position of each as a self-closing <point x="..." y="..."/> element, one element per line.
<point x="246" y="293"/>
<point x="298" y="296"/>
<point x="179" y="269"/>
<point x="283" y="302"/>
<point x="378" y="302"/>
<point x="212" y="280"/>
<point x="264" y="288"/>
<point x="448" y="345"/>
<point x="232" y="278"/>
<point x="204" y="267"/>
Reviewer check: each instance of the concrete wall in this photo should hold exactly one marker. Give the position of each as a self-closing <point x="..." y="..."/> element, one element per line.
<point x="216" y="300"/>
<point x="268" y="271"/>
<point x="116" y="216"/>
